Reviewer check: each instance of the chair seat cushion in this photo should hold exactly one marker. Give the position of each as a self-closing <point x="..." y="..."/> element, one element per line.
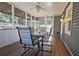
<point x="45" y="39"/>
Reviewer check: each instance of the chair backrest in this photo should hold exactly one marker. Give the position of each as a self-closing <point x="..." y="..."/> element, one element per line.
<point x="25" y="36"/>
<point x="31" y="29"/>
<point x="50" y="30"/>
<point x="50" y="33"/>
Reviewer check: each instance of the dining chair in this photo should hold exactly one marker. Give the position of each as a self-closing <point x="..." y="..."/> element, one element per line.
<point x="28" y="40"/>
<point x="46" y="37"/>
<point x="47" y="42"/>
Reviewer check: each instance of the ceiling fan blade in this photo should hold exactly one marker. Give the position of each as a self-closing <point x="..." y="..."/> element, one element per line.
<point x="32" y="8"/>
<point x="43" y="8"/>
<point x="37" y="6"/>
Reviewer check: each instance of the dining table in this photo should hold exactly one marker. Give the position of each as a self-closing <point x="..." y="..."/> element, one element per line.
<point x="40" y="35"/>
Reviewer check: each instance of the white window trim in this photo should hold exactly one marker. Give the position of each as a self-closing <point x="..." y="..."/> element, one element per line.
<point x="66" y="21"/>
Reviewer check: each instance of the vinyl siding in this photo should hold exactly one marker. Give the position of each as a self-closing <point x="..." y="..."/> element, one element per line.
<point x="73" y="41"/>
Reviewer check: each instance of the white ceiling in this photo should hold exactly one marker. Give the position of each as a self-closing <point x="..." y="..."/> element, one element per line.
<point x="55" y="9"/>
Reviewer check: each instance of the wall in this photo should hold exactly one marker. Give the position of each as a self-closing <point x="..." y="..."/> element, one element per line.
<point x="5" y="7"/>
<point x="72" y="41"/>
<point x="56" y="25"/>
<point x="8" y="37"/>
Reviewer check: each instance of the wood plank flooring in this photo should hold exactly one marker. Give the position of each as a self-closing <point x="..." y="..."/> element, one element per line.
<point x="59" y="48"/>
<point x="16" y="49"/>
<point x="13" y="49"/>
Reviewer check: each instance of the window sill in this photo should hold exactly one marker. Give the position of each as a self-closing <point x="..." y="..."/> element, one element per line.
<point x="68" y="33"/>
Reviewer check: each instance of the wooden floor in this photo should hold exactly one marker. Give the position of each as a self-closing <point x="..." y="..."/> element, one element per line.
<point x="59" y="48"/>
<point x="15" y="49"/>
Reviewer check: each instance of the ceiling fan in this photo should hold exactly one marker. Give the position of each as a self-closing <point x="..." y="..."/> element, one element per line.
<point x="38" y="7"/>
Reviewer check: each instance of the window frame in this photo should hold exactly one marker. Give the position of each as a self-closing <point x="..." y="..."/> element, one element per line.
<point x="67" y="19"/>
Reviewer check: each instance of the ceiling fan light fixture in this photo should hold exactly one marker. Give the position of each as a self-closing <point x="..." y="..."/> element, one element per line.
<point x="37" y="9"/>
